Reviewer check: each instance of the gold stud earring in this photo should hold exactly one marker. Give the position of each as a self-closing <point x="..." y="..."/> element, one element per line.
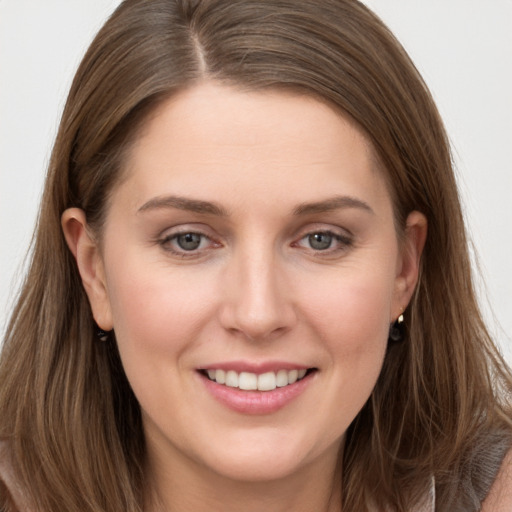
<point x="101" y="334"/>
<point x="396" y="329"/>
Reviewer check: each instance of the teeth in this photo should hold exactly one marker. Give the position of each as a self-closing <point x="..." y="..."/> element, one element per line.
<point x="220" y="376"/>
<point x="267" y="381"/>
<point x="282" y="378"/>
<point x="232" y="379"/>
<point x="250" y="381"/>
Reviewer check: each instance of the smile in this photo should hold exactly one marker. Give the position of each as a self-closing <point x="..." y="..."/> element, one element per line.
<point x="263" y="390"/>
<point x="248" y="381"/>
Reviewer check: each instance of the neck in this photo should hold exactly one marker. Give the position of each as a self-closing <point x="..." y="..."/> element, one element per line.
<point x="189" y="487"/>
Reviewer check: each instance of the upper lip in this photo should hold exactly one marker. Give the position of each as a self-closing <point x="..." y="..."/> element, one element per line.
<point x="255" y="367"/>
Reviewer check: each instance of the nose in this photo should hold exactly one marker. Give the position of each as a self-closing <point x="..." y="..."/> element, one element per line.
<point x="257" y="303"/>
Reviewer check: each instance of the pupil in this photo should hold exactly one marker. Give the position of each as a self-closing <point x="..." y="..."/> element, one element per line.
<point x="189" y="241"/>
<point x="320" y="241"/>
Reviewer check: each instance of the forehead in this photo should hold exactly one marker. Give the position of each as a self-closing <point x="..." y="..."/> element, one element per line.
<point x="248" y="117"/>
<point x="217" y="139"/>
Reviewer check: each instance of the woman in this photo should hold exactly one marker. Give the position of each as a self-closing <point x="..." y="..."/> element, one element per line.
<point x="250" y="287"/>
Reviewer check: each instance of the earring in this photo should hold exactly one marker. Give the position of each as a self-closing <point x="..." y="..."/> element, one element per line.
<point x="396" y="329"/>
<point x="101" y="334"/>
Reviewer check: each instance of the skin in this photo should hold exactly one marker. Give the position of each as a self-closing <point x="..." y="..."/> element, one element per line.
<point x="256" y="290"/>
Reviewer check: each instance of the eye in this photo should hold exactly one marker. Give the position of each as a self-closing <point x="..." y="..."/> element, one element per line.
<point x="186" y="243"/>
<point x="325" y="241"/>
<point x="189" y="241"/>
<point x="320" y="241"/>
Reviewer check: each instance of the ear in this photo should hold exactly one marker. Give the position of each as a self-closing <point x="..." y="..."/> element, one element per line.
<point x="90" y="264"/>
<point x="409" y="262"/>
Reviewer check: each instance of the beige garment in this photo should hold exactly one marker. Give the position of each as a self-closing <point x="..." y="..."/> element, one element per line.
<point x="428" y="503"/>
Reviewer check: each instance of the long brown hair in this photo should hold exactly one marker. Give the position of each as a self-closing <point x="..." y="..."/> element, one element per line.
<point x="69" y="417"/>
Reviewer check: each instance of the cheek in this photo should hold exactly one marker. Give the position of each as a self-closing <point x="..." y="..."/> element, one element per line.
<point x="157" y="309"/>
<point x="351" y="317"/>
<point x="351" y="311"/>
<point x="158" y="316"/>
<point x="350" y="314"/>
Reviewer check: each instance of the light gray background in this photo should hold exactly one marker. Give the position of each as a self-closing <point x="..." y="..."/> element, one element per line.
<point x="463" y="48"/>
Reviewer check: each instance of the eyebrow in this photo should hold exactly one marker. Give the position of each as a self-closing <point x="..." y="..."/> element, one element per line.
<point x="333" y="203"/>
<point x="183" y="203"/>
<point x="211" y="208"/>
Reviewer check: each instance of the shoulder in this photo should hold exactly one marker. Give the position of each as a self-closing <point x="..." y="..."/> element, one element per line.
<point x="499" y="498"/>
<point x="11" y="497"/>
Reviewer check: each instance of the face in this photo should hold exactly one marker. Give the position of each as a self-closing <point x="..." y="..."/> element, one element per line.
<point x="251" y="269"/>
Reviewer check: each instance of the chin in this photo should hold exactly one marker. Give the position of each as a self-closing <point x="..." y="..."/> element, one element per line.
<point x="266" y="457"/>
<point x="258" y="469"/>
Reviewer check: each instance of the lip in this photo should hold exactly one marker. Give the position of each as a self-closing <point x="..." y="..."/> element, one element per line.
<point x="257" y="368"/>
<point x="256" y="402"/>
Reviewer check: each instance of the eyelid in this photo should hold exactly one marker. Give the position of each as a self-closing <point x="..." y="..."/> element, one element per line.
<point x="344" y="238"/>
<point x="183" y="228"/>
<point x="319" y="227"/>
<point x="168" y="235"/>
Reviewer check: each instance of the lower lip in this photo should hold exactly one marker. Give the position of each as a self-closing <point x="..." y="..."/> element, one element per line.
<point x="256" y="402"/>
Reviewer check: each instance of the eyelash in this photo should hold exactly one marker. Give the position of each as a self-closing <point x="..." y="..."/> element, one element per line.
<point x="343" y="242"/>
<point x="168" y="242"/>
